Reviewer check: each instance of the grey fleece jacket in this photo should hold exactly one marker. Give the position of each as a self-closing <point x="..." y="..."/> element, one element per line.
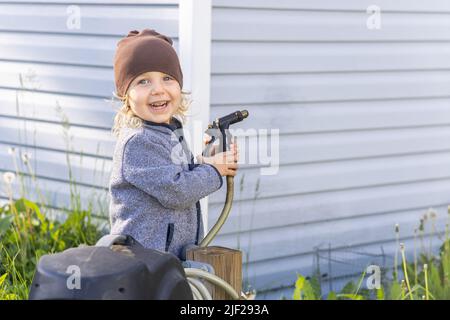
<point x="155" y="187"/>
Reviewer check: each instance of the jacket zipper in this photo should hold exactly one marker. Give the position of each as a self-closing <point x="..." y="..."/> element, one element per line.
<point x="169" y="238"/>
<point x="198" y="223"/>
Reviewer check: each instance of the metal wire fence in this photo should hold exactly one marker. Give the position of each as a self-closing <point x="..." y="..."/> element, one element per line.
<point x="336" y="267"/>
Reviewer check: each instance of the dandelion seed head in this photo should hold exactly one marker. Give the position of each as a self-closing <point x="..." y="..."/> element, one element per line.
<point x="9" y="177"/>
<point x="12" y="151"/>
<point x="432" y="213"/>
<point x="425" y="266"/>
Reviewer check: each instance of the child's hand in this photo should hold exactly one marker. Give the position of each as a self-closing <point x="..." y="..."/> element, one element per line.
<point x="215" y="146"/>
<point x="225" y="162"/>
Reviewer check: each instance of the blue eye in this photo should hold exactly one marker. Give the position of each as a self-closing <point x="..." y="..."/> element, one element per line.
<point x="140" y="82"/>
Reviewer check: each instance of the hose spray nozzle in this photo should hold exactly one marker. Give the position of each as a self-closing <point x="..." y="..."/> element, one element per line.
<point x="218" y="130"/>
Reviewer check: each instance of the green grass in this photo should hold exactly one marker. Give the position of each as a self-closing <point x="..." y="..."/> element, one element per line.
<point x="26" y="234"/>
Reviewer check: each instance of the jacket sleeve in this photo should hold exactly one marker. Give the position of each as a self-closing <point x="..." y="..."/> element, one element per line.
<point x="150" y="166"/>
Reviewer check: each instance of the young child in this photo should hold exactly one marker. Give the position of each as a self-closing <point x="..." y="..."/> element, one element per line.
<point x="155" y="186"/>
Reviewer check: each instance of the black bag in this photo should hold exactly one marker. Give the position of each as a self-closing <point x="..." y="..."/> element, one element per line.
<point x="118" y="267"/>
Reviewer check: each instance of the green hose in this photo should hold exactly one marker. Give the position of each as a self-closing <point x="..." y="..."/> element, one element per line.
<point x="223" y="216"/>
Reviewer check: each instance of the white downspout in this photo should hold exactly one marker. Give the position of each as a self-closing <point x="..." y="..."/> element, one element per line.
<point x="195" y="57"/>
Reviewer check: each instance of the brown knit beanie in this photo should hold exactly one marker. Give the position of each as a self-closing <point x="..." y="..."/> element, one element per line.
<point x="141" y="52"/>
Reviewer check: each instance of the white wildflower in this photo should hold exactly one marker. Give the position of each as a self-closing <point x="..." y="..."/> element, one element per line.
<point x="432" y="213"/>
<point x="9" y="177"/>
<point x="11" y="150"/>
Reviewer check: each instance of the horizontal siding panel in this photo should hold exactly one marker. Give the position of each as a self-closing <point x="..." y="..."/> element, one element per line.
<point x="82" y="111"/>
<point x="348" y="145"/>
<point x="58" y="194"/>
<point x="283" y="88"/>
<point x="51" y="136"/>
<point x="57" y="48"/>
<point x="72" y="49"/>
<point x="320" y="177"/>
<point x="295" y="240"/>
<point x="101" y="20"/>
<point x="248" y="57"/>
<point x="340" y="116"/>
<point x="55" y="165"/>
<point x="286" y="25"/>
<point x="326" y="206"/>
<point x="58" y="79"/>
<point x="343" y="145"/>
<point x="358" y="5"/>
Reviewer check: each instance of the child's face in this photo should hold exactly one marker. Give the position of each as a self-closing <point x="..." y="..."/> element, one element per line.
<point x="154" y="87"/>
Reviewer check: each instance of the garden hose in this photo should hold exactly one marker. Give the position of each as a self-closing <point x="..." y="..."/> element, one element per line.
<point x="223" y="216"/>
<point x="199" y="291"/>
<point x="203" y="293"/>
<point x="217" y="130"/>
<point x="196" y="294"/>
<point x="200" y="288"/>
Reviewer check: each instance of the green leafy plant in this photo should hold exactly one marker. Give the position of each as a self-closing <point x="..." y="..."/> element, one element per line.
<point x="26" y="234"/>
<point x="426" y="278"/>
<point x="4" y="295"/>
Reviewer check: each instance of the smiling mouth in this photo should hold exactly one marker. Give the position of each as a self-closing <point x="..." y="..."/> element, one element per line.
<point x="159" y="107"/>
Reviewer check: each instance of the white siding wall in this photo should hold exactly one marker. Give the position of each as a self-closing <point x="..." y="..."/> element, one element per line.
<point x="364" y="121"/>
<point x="70" y="68"/>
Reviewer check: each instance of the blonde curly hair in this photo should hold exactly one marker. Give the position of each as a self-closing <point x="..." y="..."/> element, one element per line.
<point x="125" y="117"/>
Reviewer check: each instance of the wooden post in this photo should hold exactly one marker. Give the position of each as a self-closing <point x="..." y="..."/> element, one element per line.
<point x="227" y="264"/>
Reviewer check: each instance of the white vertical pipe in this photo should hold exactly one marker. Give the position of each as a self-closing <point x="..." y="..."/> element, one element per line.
<point x="195" y="58"/>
